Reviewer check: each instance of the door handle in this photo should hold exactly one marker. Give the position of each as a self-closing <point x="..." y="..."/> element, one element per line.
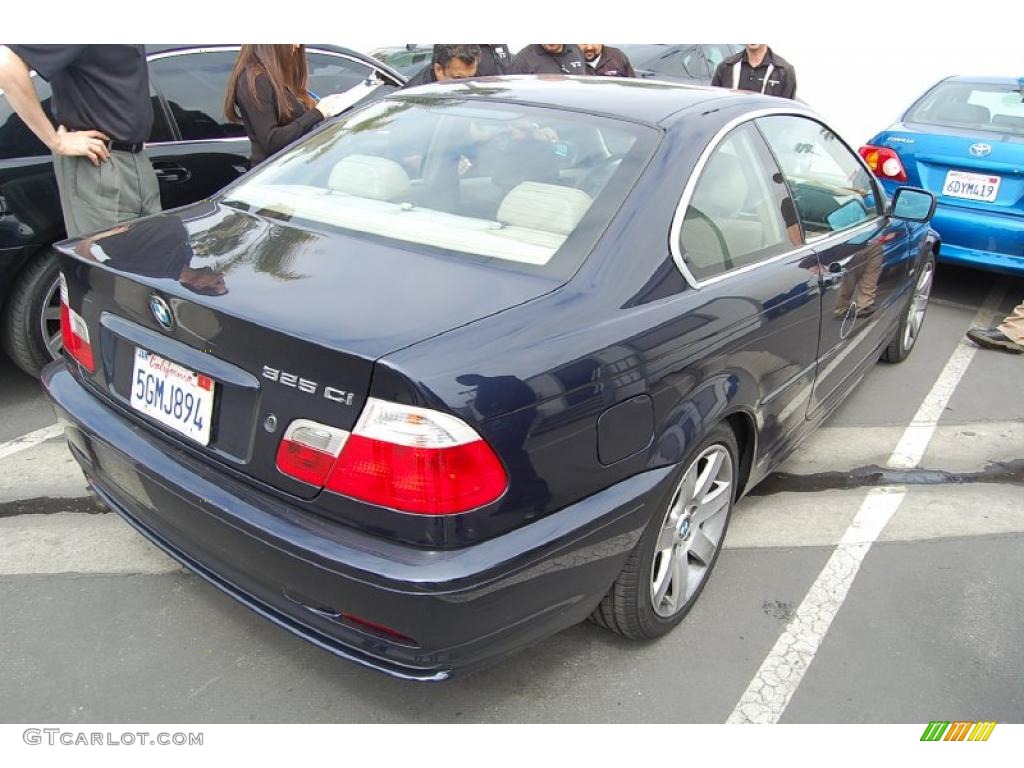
<point x="171" y="172"/>
<point x="834" y="276"/>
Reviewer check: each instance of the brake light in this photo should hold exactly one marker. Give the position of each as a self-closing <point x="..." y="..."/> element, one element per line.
<point x="410" y="459"/>
<point x="883" y="162"/>
<point x="74" y="332"/>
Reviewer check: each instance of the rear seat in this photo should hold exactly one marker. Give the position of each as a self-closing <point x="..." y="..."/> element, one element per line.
<point x="542" y="214"/>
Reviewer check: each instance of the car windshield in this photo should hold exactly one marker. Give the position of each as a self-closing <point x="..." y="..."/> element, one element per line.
<point x="530" y="188"/>
<point x="978" y="106"/>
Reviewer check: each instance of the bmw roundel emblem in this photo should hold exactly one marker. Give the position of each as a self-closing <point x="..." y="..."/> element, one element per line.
<point x="979" y="149"/>
<point x="161" y="312"/>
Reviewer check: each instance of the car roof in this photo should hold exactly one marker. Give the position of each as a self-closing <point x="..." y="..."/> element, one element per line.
<point x="644" y="100"/>
<point x="168" y="47"/>
<point x="985" y="80"/>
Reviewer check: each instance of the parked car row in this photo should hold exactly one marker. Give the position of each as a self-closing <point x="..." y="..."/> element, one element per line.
<point x="195" y="152"/>
<point x="678" y="62"/>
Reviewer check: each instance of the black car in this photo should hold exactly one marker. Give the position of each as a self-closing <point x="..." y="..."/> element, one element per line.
<point x="485" y="358"/>
<point x="679" y="62"/>
<point x="194" y="150"/>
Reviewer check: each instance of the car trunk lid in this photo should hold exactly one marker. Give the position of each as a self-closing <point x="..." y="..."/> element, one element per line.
<point x="965" y="169"/>
<point x="282" y="323"/>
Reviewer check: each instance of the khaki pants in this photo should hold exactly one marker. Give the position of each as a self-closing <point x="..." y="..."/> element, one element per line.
<point x="93" y="198"/>
<point x="862" y="284"/>
<point x="1013" y="326"/>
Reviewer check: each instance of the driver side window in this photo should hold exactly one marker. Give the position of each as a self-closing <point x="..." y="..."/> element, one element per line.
<point x="831" y="189"/>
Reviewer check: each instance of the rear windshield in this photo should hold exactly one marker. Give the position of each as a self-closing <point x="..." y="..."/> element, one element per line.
<point x="529" y="188"/>
<point x="981" y="107"/>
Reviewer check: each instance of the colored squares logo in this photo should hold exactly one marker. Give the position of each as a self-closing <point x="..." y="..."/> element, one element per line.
<point x="961" y="730"/>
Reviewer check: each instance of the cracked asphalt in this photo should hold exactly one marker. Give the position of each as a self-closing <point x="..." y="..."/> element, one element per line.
<point x="98" y="626"/>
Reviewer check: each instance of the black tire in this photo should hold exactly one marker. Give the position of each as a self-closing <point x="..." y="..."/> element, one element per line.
<point x="22" y="333"/>
<point x="905" y="338"/>
<point x="628" y="608"/>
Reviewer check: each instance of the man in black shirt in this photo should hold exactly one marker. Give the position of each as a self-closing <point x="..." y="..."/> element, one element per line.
<point x="158" y="247"/>
<point x="449" y="62"/>
<point x="757" y="68"/>
<point x="495" y="59"/>
<point x="549" y="59"/>
<point x="606" y="61"/>
<point x="102" y="107"/>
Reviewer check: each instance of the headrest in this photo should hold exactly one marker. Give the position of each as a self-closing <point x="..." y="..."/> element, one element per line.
<point x="1012" y="121"/>
<point x="965" y="113"/>
<point x="366" y="176"/>
<point x="547" y="207"/>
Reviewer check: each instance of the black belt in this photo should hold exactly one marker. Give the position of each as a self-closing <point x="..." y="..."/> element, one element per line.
<point x="123" y="146"/>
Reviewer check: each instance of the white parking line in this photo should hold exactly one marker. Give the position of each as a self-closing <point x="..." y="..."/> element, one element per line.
<point x="772" y="688"/>
<point x="32" y="438"/>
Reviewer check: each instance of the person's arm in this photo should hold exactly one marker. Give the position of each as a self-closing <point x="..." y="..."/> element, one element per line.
<point x="261" y="116"/>
<point x="790" y="90"/>
<point x="521" y="63"/>
<point x="719" y="76"/>
<point x="16" y="84"/>
<point x="627" y="67"/>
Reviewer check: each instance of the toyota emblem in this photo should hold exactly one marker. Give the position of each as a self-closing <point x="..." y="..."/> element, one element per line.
<point x="979" y="150"/>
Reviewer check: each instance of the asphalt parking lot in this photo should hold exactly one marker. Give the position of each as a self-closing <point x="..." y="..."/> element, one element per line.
<point x="98" y="626"/>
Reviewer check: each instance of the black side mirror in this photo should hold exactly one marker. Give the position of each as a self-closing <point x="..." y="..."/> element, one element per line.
<point x="912" y="204"/>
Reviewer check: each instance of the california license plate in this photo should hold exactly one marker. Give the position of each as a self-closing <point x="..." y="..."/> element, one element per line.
<point x="173" y="395"/>
<point x="971" y="186"/>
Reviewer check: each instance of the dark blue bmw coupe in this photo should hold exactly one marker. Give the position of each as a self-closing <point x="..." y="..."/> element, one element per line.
<point x="485" y="358"/>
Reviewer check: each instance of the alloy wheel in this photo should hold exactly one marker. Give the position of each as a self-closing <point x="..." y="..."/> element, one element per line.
<point x="918" y="305"/>
<point x="692" y="531"/>
<point x="49" y="321"/>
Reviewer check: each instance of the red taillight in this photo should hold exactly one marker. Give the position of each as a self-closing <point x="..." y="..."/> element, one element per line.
<point x="74" y="332"/>
<point x="308" y="451"/>
<point x="883" y="162"/>
<point x="406" y="458"/>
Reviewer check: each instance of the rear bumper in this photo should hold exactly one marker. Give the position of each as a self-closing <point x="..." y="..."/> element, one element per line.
<point x="991" y="241"/>
<point x="461" y="609"/>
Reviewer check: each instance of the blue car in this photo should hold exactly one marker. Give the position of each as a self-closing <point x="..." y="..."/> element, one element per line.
<point x="486" y="358"/>
<point x="964" y="141"/>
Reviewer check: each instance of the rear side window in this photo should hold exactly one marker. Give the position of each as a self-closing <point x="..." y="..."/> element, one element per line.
<point x="831" y="188"/>
<point x="16" y="139"/>
<point x="981" y="107"/>
<point x="194" y="85"/>
<point x="740" y="212"/>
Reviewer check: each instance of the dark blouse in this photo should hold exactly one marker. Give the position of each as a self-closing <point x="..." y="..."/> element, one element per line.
<point x="260" y="118"/>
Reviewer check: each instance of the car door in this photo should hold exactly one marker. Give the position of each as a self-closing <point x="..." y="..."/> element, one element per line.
<point x="863" y="257"/>
<point x="205" y="151"/>
<point x="740" y="247"/>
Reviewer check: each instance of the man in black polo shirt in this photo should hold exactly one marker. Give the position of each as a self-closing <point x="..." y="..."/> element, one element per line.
<point x="757" y="68"/>
<point x="103" y="111"/>
<point x="448" y="62"/>
<point x="549" y="59"/>
<point x="606" y="61"/>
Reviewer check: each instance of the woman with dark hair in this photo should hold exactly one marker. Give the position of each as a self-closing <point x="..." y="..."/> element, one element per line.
<point x="268" y="93"/>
